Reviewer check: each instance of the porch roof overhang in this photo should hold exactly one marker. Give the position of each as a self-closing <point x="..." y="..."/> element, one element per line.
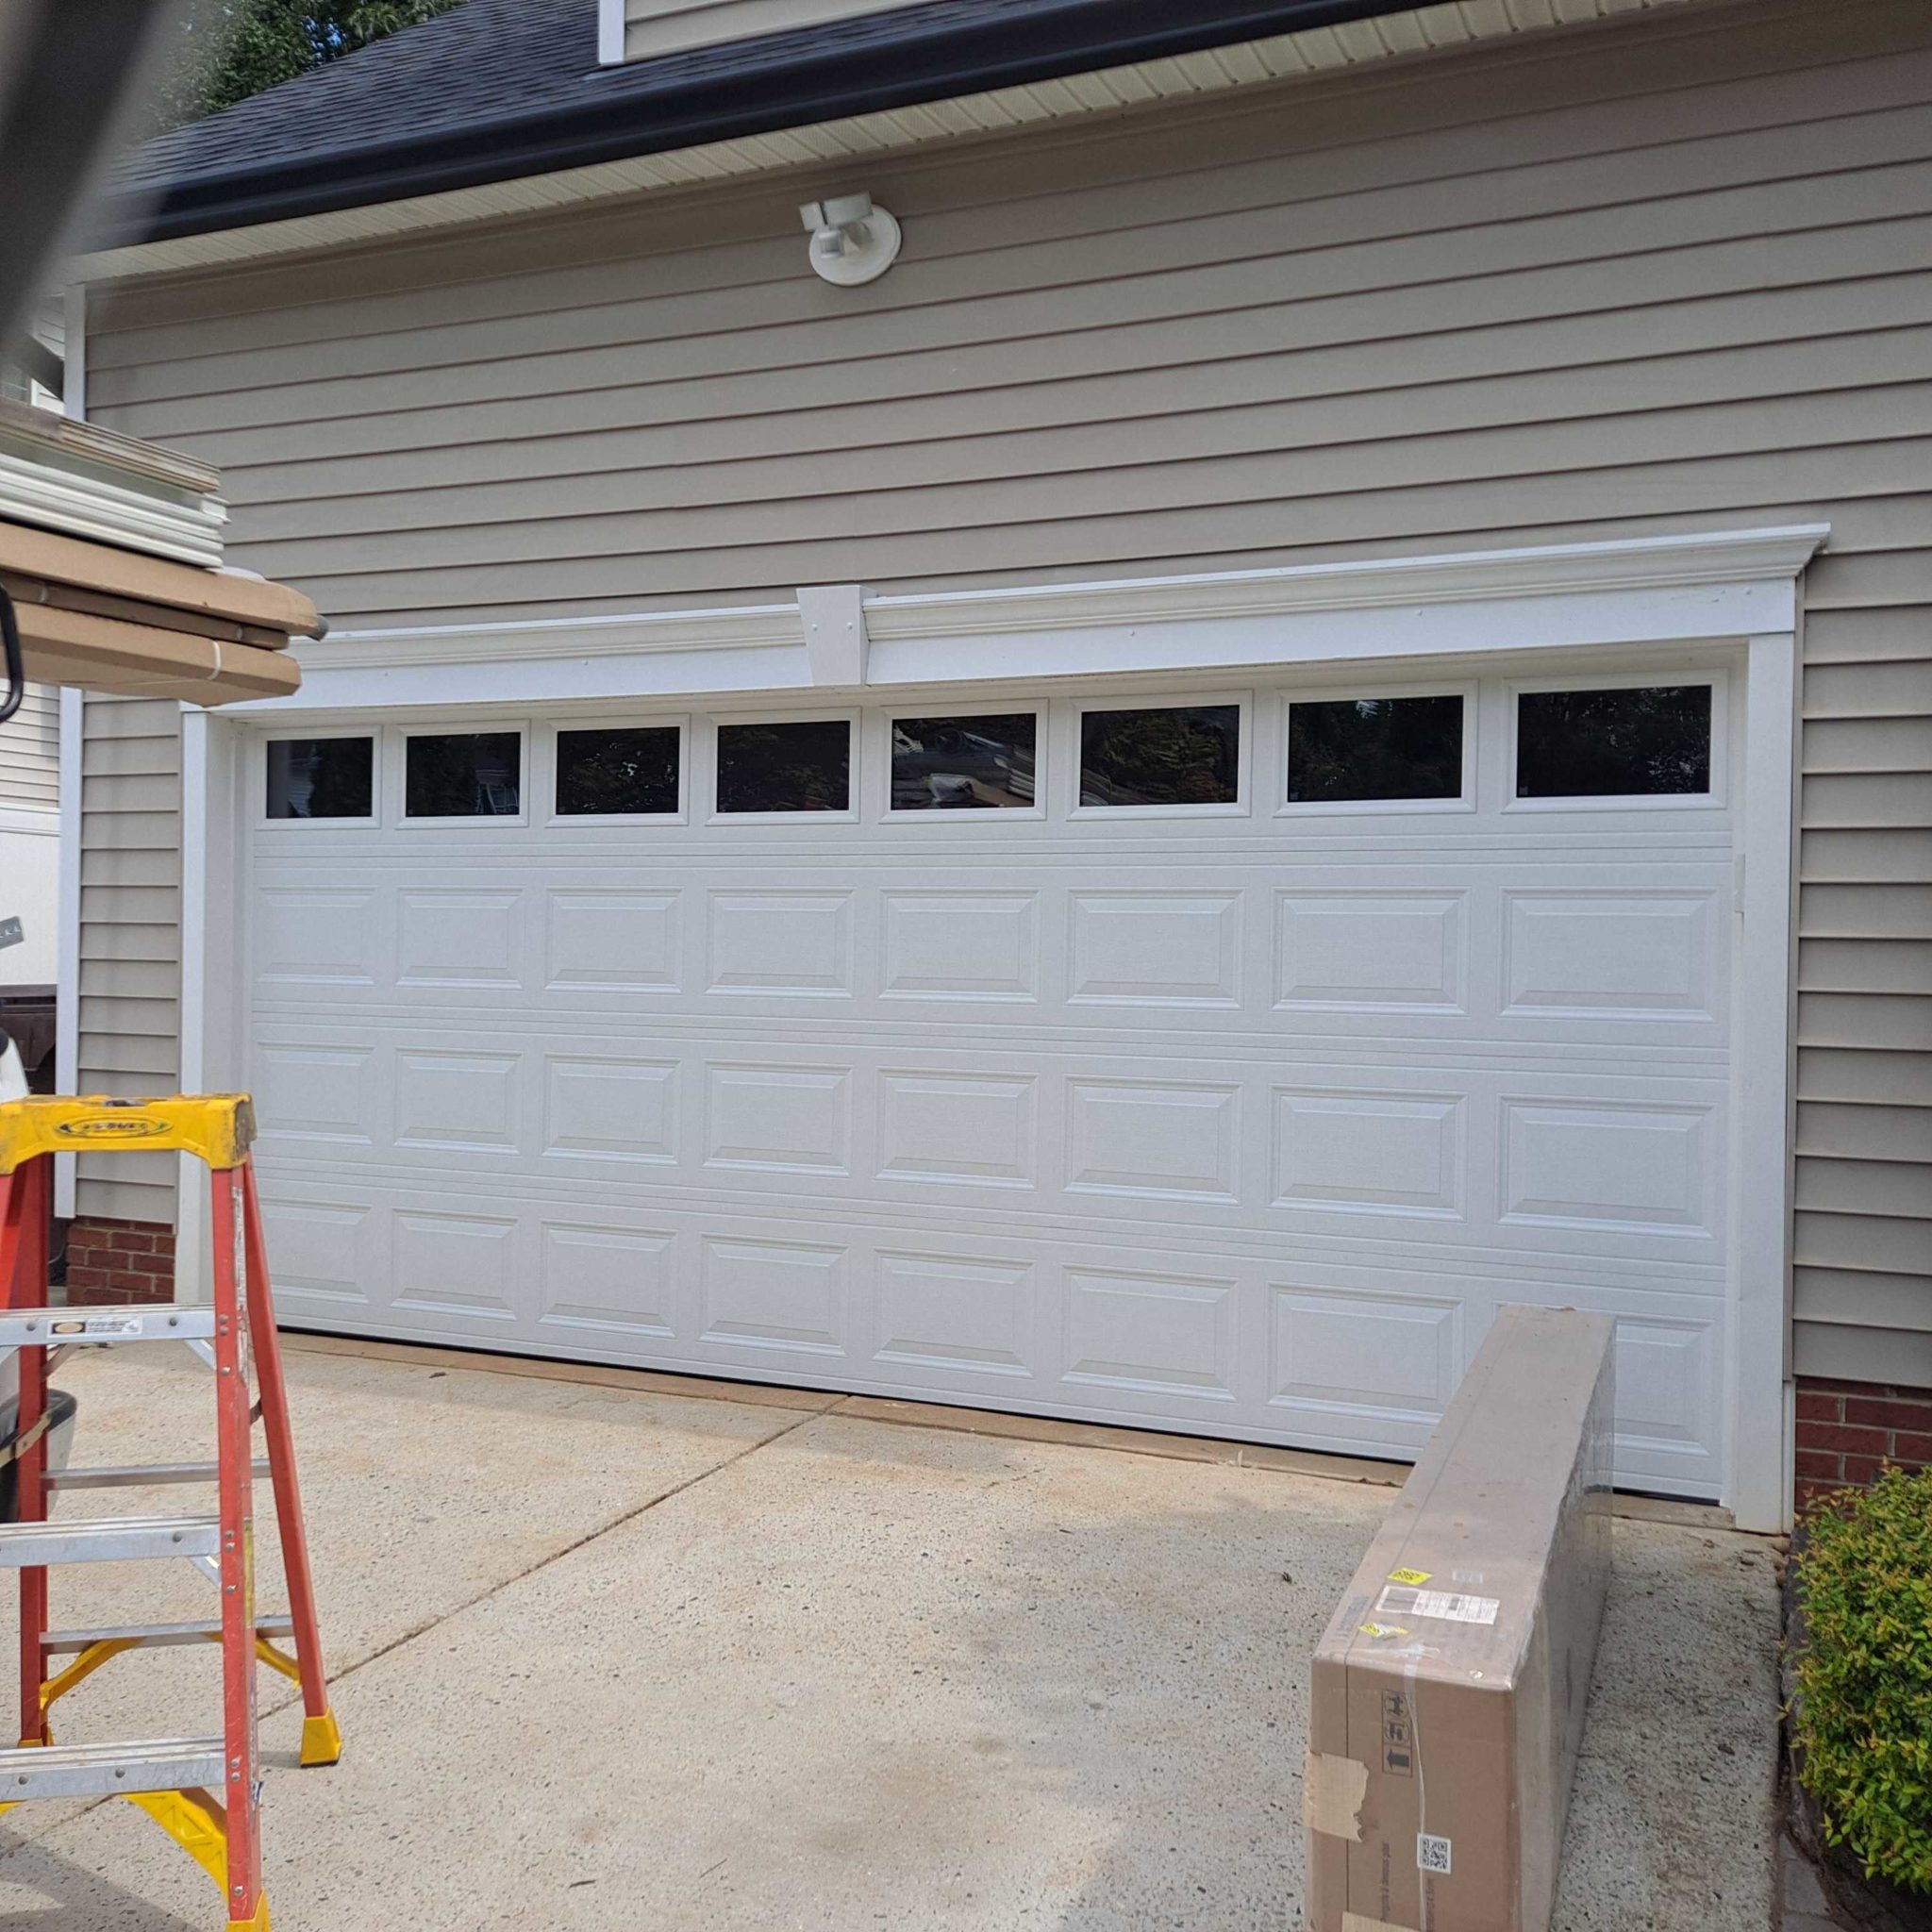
<point x="122" y="624"/>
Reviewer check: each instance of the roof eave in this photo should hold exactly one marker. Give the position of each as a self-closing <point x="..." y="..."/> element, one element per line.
<point x="790" y="80"/>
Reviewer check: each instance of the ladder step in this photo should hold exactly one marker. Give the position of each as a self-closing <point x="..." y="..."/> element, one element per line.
<point x="136" y="1476"/>
<point x="99" y="1771"/>
<point x="156" y="1636"/>
<point x="30" y="1545"/>
<point x="101" y="1327"/>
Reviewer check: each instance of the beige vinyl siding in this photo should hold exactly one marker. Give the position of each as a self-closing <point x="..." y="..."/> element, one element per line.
<point x="1668" y="273"/>
<point x="669" y="27"/>
<point x="30" y="753"/>
<point x="130" y="935"/>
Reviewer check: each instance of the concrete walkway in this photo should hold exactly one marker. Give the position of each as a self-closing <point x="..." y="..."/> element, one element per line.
<point x="611" y="1657"/>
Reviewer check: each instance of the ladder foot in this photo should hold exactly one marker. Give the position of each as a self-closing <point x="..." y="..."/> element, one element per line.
<point x="258" y="1924"/>
<point x="322" y="1742"/>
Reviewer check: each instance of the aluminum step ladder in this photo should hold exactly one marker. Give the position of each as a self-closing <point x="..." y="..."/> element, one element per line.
<point x="205" y="1793"/>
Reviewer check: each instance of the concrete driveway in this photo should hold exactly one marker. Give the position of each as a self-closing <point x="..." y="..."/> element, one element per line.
<point x="610" y="1656"/>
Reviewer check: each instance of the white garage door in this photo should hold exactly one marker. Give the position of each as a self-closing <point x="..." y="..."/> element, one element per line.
<point x="1216" y="1060"/>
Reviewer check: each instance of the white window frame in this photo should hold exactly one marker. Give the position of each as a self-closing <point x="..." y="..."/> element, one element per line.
<point x="1240" y="807"/>
<point x="546" y="765"/>
<point x="877" y="728"/>
<point x="256" y="778"/>
<point x="1465" y="800"/>
<point x="850" y="716"/>
<point x="399" y="784"/>
<point x="1716" y="799"/>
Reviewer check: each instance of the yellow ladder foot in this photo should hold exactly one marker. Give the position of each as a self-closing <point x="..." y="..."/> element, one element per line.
<point x="258" y="1924"/>
<point x="321" y="1740"/>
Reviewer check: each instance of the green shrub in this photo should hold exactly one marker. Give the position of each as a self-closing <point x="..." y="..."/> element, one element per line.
<point x="1863" y="1714"/>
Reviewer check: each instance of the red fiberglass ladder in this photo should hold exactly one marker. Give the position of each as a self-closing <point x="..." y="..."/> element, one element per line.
<point x="204" y="1793"/>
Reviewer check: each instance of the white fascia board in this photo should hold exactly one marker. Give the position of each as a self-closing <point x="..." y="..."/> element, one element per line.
<point x="1728" y="584"/>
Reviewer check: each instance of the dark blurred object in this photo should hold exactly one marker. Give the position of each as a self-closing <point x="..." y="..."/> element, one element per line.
<point x="75" y="75"/>
<point x="28" y="1013"/>
<point x="61" y="1412"/>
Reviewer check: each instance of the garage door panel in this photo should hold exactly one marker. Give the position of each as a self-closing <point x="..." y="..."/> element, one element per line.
<point x="1242" y="1122"/>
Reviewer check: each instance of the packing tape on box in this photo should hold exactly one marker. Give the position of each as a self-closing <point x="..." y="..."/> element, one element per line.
<point x="1332" y="1792"/>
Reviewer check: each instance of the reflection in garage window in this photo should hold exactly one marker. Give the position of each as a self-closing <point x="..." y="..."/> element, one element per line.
<point x="321" y="778"/>
<point x="1166" y="755"/>
<point x="464" y="775"/>
<point x="1374" y="748"/>
<point x="963" y="763"/>
<point x="796" y="766"/>
<point x="626" y="773"/>
<point x="1634" y="743"/>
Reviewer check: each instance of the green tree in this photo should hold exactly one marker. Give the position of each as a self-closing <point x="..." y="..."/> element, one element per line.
<point x="235" y="48"/>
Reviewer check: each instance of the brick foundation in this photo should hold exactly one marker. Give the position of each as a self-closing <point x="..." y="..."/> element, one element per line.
<point x="1848" y="1430"/>
<point x="119" y="1260"/>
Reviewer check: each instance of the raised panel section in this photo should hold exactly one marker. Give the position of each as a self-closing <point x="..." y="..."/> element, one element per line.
<point x="956" y="1127"/>
<point x="313" y="1093"/>
<point x="786" y="1296"/>
<point x="318" y="1248"/>
<point x="1599" y="1165"/>
<point x="618" y="942"/>
<point x="1608" y="955"/>
<point x="936" y="1311"/>
<point x="1375" y="1356"/>
<point x="456" y="1264"/>
<point x="314" y="938"/>
<point x="1163" y="1335"/>
<point x="610" y="1109"/>
<point x="960" y="946"/>
<point x="451" y="937"/>
<point x="1369" y="1153"/>
<point x="787" y="1119"/>
<point x="781" y="943"/>
<point x="1668" y="1393"/>
<point x="1139" y="1137"/>
<point x="615" y="1278"/>
<point x="464" y="1102"/>
<point x="1155" y="949"/>
<point x="1370" y="952"/>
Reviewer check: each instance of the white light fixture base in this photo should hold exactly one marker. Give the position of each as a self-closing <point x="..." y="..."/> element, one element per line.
<point x="852" y="240"/>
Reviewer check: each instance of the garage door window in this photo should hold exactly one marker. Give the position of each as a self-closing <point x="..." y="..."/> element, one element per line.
<point x="973" y="763"/>
<point x="794" y="766"/>
<point x="1166" y="755"/>
<point x="464" y="775"/>
<point x="1632" y="741"/>
<point x="1375" y="750"/>
<point x="627" y="772"/>
<point x="321" y="778"/>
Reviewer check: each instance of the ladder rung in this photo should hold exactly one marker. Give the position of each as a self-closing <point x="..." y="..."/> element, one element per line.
<point x="136" y="1476"/>
<point x="98" y="1770"/>
<point x="102" y="1327"/>
<point x="28" y="1546"/>
<point x="156" y="1636"/>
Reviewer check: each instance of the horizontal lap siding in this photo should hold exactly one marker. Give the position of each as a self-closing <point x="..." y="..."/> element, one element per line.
<point x="130" y="935"/>
<point x="30" y="753"/>
<point x="1667" y="275"/>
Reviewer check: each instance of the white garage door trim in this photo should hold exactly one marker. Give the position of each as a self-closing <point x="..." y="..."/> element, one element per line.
<point x="1733" y="588"/>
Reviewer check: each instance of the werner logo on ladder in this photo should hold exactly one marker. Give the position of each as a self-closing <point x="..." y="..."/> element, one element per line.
<point x="205" y="1793"/>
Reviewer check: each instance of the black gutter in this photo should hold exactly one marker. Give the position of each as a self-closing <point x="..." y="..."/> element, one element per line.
<point x="754" y="87"/>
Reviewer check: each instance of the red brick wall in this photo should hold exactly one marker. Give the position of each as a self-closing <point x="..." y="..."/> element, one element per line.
<point x="120" y="1262"/>
<point x="1847" y="1430"/>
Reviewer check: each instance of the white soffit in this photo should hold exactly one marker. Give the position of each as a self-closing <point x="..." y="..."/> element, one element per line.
<point x="1353" y="44"/>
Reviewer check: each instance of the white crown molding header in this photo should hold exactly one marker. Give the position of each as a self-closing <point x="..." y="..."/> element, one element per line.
<point x="1703" y="586"/>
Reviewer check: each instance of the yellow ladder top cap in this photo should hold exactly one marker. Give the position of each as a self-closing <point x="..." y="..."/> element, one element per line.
<point x="214" y="1127"/>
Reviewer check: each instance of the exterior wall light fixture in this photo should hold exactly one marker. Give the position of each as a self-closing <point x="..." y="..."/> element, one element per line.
<point x="852" y="241"/>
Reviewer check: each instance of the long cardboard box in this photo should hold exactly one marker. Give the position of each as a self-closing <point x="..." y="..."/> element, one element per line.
<point x="1449" y="1688"/>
